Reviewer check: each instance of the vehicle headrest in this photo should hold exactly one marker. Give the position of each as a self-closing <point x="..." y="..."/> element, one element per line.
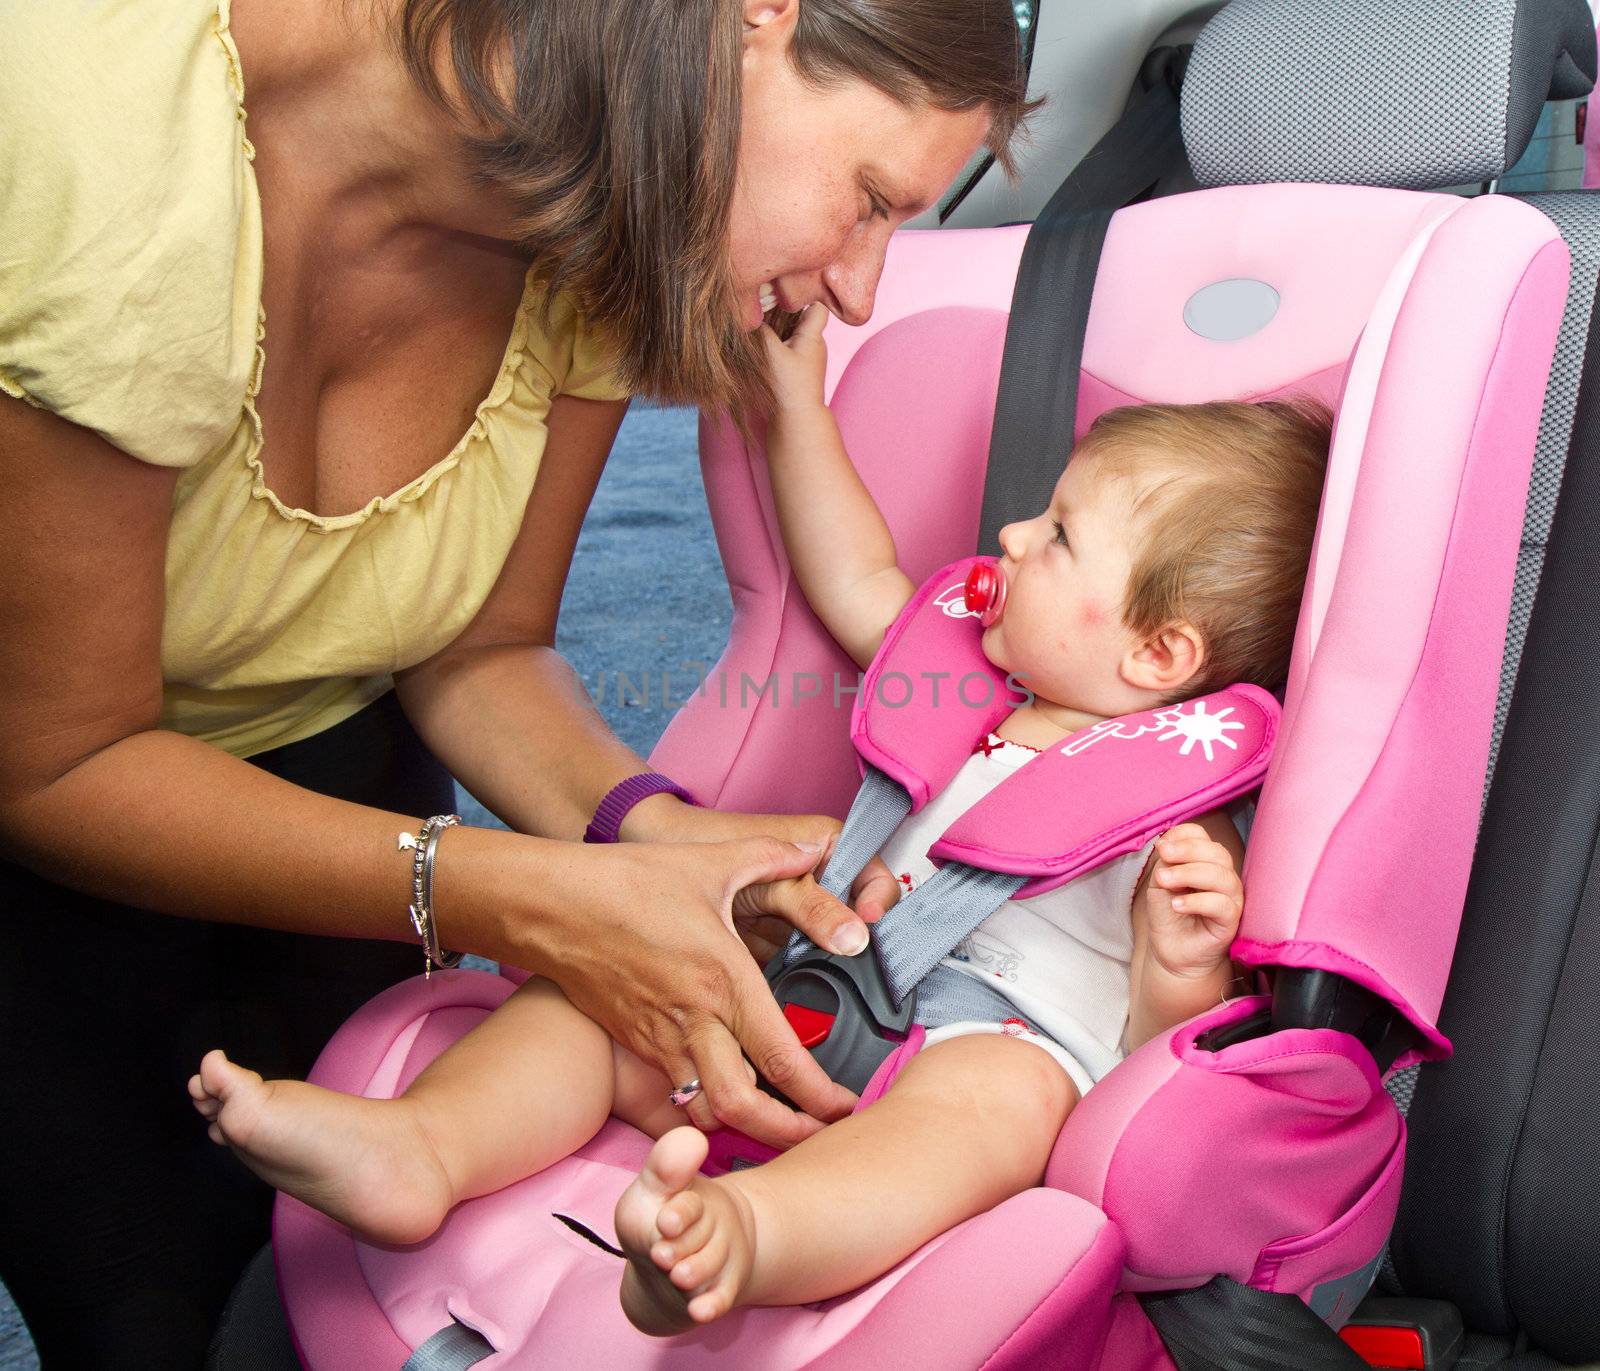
<point x="1414" y="94"/>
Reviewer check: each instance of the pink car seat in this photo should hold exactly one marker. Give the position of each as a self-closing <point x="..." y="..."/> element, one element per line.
<point x="1223" y="1148"/>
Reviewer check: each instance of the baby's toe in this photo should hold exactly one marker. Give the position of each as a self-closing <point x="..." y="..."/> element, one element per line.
<point x="680" y="1213"/>
<point x="220" y="1077"/>
<point x="711" y="1304"/>
<point x="670" y="1251"/>
<point x="702" y="1267"/>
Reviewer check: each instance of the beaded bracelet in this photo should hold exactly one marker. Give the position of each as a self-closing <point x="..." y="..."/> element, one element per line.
<point x="423" y="847"/>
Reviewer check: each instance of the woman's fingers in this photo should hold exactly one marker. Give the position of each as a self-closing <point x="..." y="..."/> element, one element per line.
<point x="770" y="1044"/>
<point x="682" y="1071"/>
<point x="736" y="1102"/>
<point x="765" y="882"/>
<point x="875" y="891"/>
<point x="764" y="936"/>
<point x="654" y="961"/>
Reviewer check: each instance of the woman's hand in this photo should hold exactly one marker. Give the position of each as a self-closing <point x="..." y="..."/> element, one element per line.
<point x="798" y="362"/>
<point x="665" y="818"/>
<point x="640" y="937"/>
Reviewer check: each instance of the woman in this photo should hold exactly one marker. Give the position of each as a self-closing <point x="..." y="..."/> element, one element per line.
<point x="269" y="451"/>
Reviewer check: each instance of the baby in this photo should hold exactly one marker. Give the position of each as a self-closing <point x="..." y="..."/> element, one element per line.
<point x="1168" y="564"/>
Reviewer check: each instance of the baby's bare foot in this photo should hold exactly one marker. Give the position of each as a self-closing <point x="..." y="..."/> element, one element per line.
<point x="366" y="1163"/>
<point x="690" y="1240"/>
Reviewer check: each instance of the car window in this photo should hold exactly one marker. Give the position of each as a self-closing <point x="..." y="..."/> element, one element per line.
<point x="1554" y="159"/>
<point x="1027" y="15"/>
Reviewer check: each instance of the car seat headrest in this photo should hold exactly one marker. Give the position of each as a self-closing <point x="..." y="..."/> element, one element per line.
<point x="1415" y="94"/>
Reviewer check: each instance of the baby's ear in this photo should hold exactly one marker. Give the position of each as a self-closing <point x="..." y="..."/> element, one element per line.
<point x="1167" y="660"/>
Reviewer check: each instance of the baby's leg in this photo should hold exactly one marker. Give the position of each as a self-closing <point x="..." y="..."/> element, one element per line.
<point x="529" y="1085"/>
<point x="968" y="1124"/>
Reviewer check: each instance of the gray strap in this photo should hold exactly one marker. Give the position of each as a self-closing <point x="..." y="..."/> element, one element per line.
<point x="918" y="932"/>
<point x="875" y="813"/>
<point x="454" y="1347"/>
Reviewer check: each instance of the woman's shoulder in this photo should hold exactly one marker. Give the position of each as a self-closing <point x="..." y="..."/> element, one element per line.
<point x="572" y="356"/>
<point x="130" y="273"/>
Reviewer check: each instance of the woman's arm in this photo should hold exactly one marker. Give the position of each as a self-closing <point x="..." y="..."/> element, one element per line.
<point x="837" y="541"/>
<point x="512" y="721"/>
<point x="1186" y="914"/>
<point x="95" y="794"/>
<point x="499" y="706"/>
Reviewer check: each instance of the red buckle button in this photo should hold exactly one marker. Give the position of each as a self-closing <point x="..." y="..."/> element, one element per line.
<point x="1388" y="1347"/>
<point x="811" y="1026"/>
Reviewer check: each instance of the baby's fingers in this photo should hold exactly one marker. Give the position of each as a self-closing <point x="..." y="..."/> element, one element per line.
<point x="1199" y="876"/>
<point x="1208" y="905"/>
<point x="811" y="322"/>
<point x="1195" y="847"/>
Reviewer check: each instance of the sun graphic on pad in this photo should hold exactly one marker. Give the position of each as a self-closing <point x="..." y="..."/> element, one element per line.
<point x="1199" y="727"/>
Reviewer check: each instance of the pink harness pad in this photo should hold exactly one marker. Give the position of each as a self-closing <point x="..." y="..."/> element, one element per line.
<point x="930" y="691"/>
<point x="1111" y="788"/>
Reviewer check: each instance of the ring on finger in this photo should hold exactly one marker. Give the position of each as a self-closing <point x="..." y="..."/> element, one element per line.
<point x="684" y="1093"/>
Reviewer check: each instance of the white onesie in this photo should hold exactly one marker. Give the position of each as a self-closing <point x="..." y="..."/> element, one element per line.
<point x="1062" y="959"/>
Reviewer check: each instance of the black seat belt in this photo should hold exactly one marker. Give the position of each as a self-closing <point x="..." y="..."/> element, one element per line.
<point x="1038" y="399"/>
<point x="1225" y="1326"/>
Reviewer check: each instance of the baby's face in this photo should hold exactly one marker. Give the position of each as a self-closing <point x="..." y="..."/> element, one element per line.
<point x="1062" y="633"/>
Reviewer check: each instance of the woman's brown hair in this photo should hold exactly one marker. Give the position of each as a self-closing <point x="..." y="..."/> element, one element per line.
<point x="615" y="125"/>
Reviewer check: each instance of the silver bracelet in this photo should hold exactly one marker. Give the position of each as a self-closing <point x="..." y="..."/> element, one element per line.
<point x="423" y="846"/>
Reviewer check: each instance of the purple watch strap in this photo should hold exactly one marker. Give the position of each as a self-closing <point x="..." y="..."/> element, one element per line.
<point x="622" y="797"/>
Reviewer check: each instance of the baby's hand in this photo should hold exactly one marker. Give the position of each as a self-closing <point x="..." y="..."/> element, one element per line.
<point x="1193" y="902"/>
<point x="798" y="362"/>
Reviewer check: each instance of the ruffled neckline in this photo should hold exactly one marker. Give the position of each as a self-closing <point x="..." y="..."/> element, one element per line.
<point x="511" y="363"/>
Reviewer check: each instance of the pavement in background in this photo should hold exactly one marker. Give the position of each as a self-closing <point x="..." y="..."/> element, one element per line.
<point x="646" y="597"/>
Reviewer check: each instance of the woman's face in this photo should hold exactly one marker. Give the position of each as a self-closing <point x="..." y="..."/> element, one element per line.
<point x="826" y="175"/>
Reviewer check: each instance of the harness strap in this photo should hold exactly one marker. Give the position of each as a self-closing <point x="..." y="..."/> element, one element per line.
<point x="875" y="813"/>
<point x="917" y="933"/>
<point x="455" y="1347"/>
<point x="877" y="810"/>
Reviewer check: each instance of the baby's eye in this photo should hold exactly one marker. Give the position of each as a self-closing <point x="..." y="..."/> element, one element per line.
<point x="1061" y="533"/>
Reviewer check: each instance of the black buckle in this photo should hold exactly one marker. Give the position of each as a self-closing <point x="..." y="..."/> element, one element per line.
<point x="865" y="1027"/>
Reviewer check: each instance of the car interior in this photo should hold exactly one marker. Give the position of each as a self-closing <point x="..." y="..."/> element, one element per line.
<point x="1384" y="1155"/>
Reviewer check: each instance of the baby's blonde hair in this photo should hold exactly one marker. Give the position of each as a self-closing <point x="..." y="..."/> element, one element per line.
<point x="1226" y="509"/>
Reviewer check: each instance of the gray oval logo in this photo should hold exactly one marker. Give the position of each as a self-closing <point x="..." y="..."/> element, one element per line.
<point x="1226" y="311"/>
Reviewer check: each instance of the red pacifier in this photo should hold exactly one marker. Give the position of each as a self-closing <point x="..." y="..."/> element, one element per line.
<point x="986" y="592"/>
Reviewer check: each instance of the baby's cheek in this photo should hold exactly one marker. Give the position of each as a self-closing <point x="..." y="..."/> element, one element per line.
<point x="1091" y="616"/>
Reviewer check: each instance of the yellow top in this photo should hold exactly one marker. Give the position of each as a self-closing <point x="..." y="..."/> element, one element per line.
<point x="130" y="303"/>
